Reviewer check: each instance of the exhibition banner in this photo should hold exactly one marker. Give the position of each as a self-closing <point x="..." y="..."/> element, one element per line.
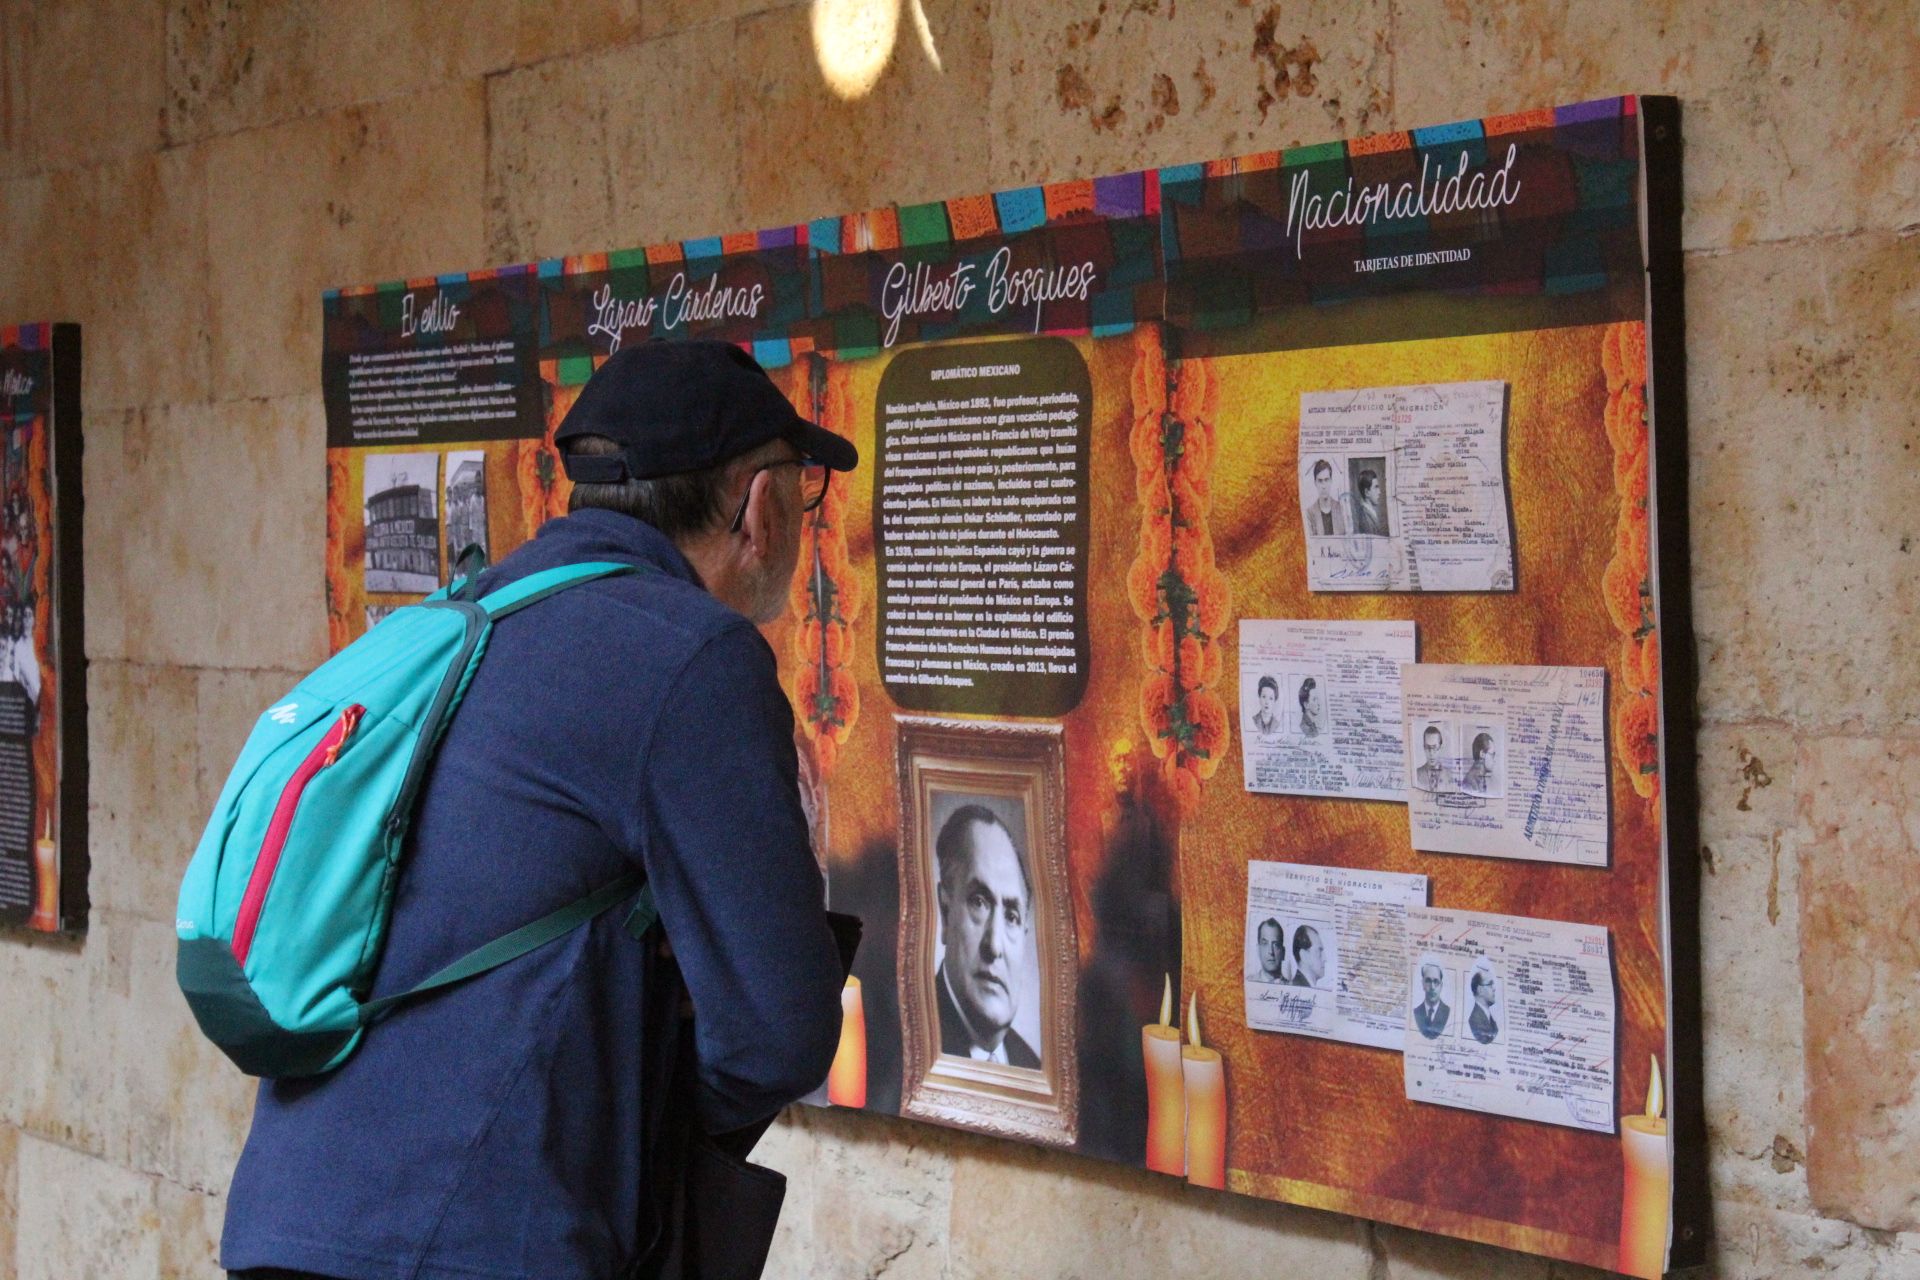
<point x="1238" y="688"/>
<point x="43" y="708"/>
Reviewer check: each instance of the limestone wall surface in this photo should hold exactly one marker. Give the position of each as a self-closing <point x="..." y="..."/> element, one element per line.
<point x="184" y="178"/>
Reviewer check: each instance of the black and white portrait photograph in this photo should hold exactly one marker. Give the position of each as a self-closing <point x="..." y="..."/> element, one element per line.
<point x="1324" y="497"/>
<point x="1267" y="939"/>
<point x="465" y="502"/>
<point x="987" y="956"/>
<point x="1435" y="986"/>
<point x="1285" y="950"/>
<point x="1367" y="491"/>
<point x="1285" y="705"/>
<point x="985" y="971"/>
<point x="1430" y="757"/>
<point x="1265" y="719"/>
<point x="1485" y="759"/>
<point x="1484" y="1019"/>
<point x="1310" y="955"/>
<point x="1310" y="699"/>
<point x="402" y="516"/>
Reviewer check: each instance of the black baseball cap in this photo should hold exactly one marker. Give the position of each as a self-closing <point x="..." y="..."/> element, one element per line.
<point x="686" y="406"/>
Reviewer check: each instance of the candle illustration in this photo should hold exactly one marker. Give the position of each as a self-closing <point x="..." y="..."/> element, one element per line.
<point x="1166" y="1090"/>
<point x="847" y="1081"/>
<point x="1206" y="1084"/>
<point x="1645" y="1207"/>
<point x="46" y="881"/>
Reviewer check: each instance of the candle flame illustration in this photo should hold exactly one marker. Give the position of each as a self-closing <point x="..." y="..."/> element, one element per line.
<point x="1656" y="1095"/>
<point x="1193" y="1020"/>
<point x="1166" y="1002"/>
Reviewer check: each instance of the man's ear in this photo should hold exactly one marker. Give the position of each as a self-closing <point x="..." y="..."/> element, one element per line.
<point x="941" y="896"/>
<point x="758" y="524"/>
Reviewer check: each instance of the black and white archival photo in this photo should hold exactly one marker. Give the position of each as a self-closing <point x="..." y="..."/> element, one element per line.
<point x="402" y="515"/>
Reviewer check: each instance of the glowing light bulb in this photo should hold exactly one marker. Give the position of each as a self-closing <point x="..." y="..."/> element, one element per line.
<point x="853" y="42"/>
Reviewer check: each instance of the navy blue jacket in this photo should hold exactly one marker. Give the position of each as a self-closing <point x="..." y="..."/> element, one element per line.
<point x="494" y="1129"/>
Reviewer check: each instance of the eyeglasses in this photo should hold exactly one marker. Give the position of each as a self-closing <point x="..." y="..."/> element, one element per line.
<point x="813" y="486"/>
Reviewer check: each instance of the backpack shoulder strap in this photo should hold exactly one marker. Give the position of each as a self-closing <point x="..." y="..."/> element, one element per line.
<point x="538" y="586"/>
<point x="527" y="937"/>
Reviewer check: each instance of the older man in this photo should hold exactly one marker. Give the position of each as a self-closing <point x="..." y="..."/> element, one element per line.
<point x="1309" y="957"/>
<point x="514" y="1126"/>
<point x="1431" y="1014"/>
<point x="1486" y="990"/>
<point x="985" y="900"/>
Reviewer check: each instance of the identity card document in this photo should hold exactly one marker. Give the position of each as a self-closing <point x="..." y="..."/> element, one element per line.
<point x="1507" y="762"/>
<point x="1320" y="707"/>
<point x="1326" y="951"/>
<point x="1404" y="488"/>
<point x="1511" y="1016"/>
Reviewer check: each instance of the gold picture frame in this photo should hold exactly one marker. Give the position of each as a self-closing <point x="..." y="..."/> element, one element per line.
<point x="1016" y="770"/>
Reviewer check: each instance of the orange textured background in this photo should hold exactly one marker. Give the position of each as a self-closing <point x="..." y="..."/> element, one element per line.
<point x="1312" y="1122"/>
<point x="1317" y="1122"/>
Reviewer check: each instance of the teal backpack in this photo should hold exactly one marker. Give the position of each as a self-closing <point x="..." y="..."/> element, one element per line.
<point x="283" y="910"/>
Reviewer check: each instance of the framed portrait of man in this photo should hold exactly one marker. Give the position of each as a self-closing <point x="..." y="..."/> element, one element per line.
<point x="987" y="949"/>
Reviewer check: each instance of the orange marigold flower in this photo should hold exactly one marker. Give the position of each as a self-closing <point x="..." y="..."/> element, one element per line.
<point x="1182" y="784"/>
<point x="814" y="644"/>
<point x="1620" y="588"/>
<point x="1630" y="541"/>
<point x="1610" y="356"/>
<point x="1626" y="419"/>
<point x="1633" y="352"/>
<point x="798" y="594"/>
<point x="1630" y="665"/>
<point x="1156" y="535"/>
<point x="1196" y="448"/>
<point x="1192" y="497"/>
<point x="1143" y="443"/>
<point x="832" y="550"/>
<point x="1631" y="482"/>
<point x="1196" y="392"/>
<point x="1150" y="485"/>
<point x="1156" y="646"/>
<point x="1650" y="662"/>
<point x="1192" y="549"/>
<point x="1630" y="470"/>
<point x="847" y="703"/>
<point x="1215" y="600"/>
<point x="833" y="507"/>
<point x="806" y="687"/>
<point x="1149" y="370"/>
<point x="1200" y="663"/>
<point x="1156" y="712"/>
<point x="1636" y="737"/>
<point x="1143" y="587"/>
<point x="804" y="642"/>
<point x="1209" y="717"/>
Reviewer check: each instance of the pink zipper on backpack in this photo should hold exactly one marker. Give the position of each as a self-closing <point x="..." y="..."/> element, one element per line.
<point x="323" y="754"/>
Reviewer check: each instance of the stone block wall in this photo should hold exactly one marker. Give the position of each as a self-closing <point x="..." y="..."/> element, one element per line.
<point x="184" y="178"/>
